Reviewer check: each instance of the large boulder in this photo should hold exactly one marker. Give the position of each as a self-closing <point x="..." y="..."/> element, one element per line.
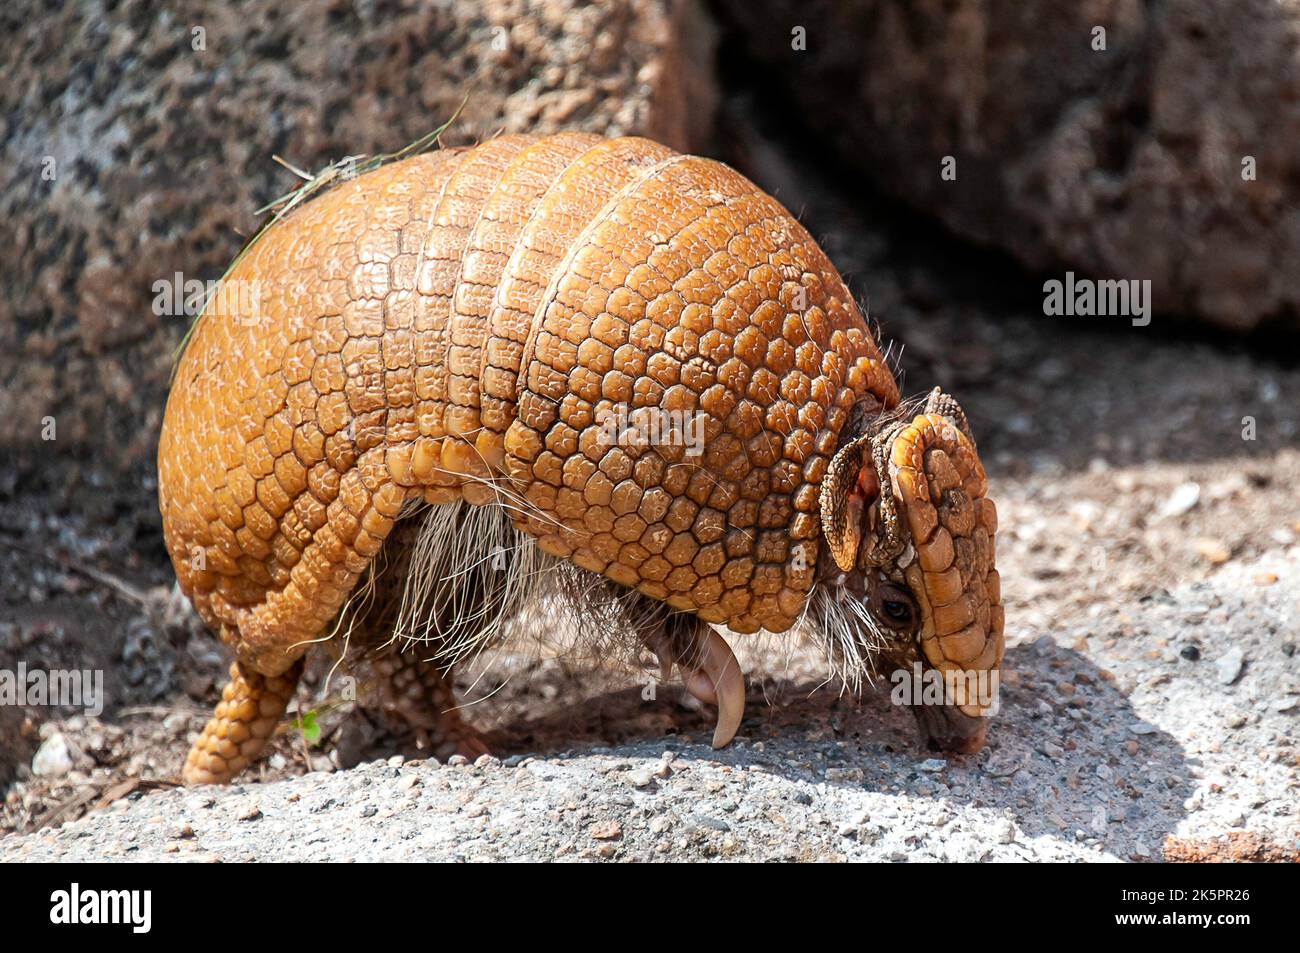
<point x="138" y="141"/>
<point x="1122" y="162"/>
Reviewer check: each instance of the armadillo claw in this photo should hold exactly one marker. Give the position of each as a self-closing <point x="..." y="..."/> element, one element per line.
<point x="661" y="645"/>
<point x="718" y="681"/>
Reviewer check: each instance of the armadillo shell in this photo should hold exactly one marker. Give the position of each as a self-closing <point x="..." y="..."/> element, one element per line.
<point x="485" y="323"/>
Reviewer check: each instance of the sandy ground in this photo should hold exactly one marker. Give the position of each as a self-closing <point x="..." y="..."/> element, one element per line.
<point x="1151" y="564"/>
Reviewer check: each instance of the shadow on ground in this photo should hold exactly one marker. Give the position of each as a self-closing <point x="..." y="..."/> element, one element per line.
<point x="1060" y="763"/>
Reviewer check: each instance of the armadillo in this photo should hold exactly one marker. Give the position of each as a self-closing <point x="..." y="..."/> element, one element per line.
<point x="462" y="370"/>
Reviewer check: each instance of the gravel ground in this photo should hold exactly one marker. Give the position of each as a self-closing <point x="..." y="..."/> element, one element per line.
<point x="1113" y="736"/>
<point x="1151" y="697"/>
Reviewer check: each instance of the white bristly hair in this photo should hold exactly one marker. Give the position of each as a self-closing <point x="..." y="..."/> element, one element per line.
<point x="838" y="622"/>
<point x="453" y="577"/>
<point x="467" y="572"/>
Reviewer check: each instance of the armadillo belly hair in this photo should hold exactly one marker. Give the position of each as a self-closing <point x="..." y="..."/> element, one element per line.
<point x="449" y="582"/>
<point x="454" y="580"/>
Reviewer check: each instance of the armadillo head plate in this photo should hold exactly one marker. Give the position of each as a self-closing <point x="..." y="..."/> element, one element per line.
<point x="907" y="522"/>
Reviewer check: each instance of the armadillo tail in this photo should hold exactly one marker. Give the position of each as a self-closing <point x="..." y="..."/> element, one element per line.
<point x="250" y="708"/>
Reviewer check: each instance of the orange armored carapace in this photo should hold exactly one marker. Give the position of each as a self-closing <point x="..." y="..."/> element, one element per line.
<point x="459" y="329"/>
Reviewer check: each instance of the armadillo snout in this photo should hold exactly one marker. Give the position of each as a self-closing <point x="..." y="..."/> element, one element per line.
<point x="947" y="728"/>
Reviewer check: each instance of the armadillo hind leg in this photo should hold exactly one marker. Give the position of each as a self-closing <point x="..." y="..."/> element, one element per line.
<point x="419" y="695"/>
<point x="436" y="589"/>
<point x="251" y="706"/>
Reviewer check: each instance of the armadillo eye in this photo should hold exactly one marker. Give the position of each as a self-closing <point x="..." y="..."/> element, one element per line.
<point x="898" y="611"/>
<point x="897" y="607"/>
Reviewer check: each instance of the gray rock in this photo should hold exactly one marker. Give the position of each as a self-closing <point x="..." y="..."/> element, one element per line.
<point x="161" y="153"/>
<point x="1125" y="162"/>
<point x="1052" y="750"/>
<point x="53" y="758"/>
<point x="1230" y="665"/>
<point x="1098" y="822"/>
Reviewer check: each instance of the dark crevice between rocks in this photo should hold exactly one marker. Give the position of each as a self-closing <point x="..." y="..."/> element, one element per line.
<point x="759" y="113"/>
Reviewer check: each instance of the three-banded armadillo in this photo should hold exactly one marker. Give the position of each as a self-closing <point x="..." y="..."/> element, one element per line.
<point x="573" y="351"/>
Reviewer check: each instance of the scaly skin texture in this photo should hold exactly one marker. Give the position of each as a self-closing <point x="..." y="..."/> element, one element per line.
<point x="246" y="717"/>
<point x="942" y="486"/>
<point x="461" y="325"/>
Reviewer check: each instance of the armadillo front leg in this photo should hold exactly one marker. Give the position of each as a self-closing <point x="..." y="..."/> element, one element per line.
<point x="709" y="668"/>
<point x="251" y="706"/>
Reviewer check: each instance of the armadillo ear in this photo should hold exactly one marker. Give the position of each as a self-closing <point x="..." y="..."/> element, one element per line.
<point x="849" y="489"/>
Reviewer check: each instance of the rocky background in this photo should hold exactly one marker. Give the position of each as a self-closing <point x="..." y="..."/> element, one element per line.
<point x="1119" y="138"/>
<point x="1151" y="538"/>
<point x="129" y="155"/>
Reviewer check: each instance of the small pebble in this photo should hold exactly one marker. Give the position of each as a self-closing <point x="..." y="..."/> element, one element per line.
<point x="53" y="758"/>
<point x="1099" y="822"/>
<point x="1213" y="551"/>
<point x="712" y="823"/>
<point x="1181" y="500"/>
<point x="1229" y="666"/>
<point x="608" y="830"/>
<point x="641" y="777"/>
